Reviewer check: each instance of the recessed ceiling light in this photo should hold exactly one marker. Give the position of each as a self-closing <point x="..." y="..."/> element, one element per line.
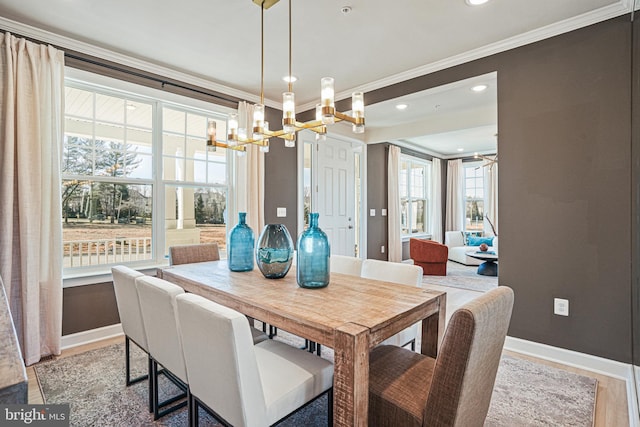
<point x="290" y="79"/>
<point x="401" y="106"/>
<point x="479" y="88"/>
<point x="476" y="2"/>
<point x="460" y="150"/>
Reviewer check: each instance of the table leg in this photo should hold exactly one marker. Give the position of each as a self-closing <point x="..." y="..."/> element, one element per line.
<point x="351" y="376"/>
<point x="433" y="329"/>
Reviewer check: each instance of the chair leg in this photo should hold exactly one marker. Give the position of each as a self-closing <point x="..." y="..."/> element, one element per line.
<point x="151" y="383"/>
<point x="127" y="364"/>
<point x="191" y="404"/>
<point x="330" y="408"/>
<point x="273" y="331"/>
<point x="319" y="349"/>
<point x="155" y="390"/>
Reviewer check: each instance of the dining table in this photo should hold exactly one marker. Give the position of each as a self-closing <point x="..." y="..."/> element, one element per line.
<point x="351" y="316"/>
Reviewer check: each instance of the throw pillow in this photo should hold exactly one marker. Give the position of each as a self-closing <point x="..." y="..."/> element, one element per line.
<point x="477" y="241"/>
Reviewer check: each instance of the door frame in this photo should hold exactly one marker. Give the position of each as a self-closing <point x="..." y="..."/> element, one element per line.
<point x="309" y="136"/>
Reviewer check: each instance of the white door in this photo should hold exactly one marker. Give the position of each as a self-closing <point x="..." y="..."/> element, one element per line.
<point x="334" y="198"/>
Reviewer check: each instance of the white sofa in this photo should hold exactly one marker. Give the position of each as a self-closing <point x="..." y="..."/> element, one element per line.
<point x="457" y="250"/>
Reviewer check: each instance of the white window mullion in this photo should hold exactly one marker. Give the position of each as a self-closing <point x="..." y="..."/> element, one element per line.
<point x="158" y="187"/>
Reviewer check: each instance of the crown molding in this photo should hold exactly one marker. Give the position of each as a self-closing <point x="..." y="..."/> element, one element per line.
<point x="561" y="27"/>
<point x="71" y="44"/>
<point x="567" y="25"/>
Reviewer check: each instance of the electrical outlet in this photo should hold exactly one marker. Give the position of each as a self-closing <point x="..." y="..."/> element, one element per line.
<point x="561" y="306"/>
<point x="372" y="212"/>
<point x="382" y="249"/>
<point x="281" y="212"/>
<point x="383" y="212"/>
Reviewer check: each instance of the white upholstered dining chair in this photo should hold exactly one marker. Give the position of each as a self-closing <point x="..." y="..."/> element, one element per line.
<point x="240" y="383"/>
<point x="124" y="285"/>
<point x="157" y="303"/>
<point x="404" y="274"/>
<point x="346" y="265"/>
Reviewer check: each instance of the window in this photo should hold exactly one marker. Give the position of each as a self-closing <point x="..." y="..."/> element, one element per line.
<point x="121" y="205"/>
<point x="414" y="195"/>
<point x="474" y="198"/>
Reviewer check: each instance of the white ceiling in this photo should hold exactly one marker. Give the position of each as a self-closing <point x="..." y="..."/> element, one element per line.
<point x="216" y="43"/>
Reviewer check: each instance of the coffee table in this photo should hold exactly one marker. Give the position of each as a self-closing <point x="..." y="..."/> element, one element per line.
<point x="489" y="267"/>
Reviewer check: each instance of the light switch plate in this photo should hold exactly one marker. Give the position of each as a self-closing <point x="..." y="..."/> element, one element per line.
<point x="383" y="212"/>
<point x="372" y="212"/>
<point x="281" y="212"/>
<point x="561" y="306"/>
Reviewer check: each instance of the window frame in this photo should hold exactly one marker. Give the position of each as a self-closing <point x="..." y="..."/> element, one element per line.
<point x="74" y="276"/>
<point x="427" y="166"/>
<point x="476" y="165"/>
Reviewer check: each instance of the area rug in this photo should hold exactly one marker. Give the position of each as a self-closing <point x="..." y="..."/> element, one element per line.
<point x="463" y="277"/>
<point x="525" y="394"/>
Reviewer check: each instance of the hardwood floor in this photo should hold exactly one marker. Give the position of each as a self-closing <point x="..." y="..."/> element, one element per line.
<point x="611" y="398"/>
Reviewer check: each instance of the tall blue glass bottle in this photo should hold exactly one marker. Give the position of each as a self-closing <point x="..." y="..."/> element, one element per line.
<point x="314" y="254"/>
<point x="241" y="244"/>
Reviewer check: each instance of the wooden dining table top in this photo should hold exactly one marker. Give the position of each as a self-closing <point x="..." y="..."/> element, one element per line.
<point x="376" y="305"/>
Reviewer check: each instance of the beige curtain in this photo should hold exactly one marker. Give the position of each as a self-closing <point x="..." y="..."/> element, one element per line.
<point x="250" y="175"/>
<point x="31" y="126"/>
<point x="395" y="236"/>
<point x="436" y="200"/>
<point x="455" y="198"/>
<point x="491" y="199"/>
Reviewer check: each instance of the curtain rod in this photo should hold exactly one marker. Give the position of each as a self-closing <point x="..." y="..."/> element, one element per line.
<point x="77" y="60"/>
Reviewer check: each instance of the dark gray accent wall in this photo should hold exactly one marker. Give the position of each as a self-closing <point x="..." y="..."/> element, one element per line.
<point x="377" y="228"/>
<point x="564" y="186"/>
<point x="281" y="179"/>
<point x="564" y="122"/>
<point x="88" y="307"/>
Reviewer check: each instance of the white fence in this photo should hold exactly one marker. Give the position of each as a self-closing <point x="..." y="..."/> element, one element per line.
<point x="82" y="253"/>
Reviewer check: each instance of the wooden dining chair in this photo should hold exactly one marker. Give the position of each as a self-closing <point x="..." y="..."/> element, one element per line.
<point x="204" y="252"/>
<point x="187" y="254"/>
<point x="239" y="383"/>
<point x="454" y="389"/>
<point x="124" y="285"/>
<point x="405" y="274"/>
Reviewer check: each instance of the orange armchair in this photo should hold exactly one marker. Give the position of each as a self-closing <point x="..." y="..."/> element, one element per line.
<point x="431" y="256"/>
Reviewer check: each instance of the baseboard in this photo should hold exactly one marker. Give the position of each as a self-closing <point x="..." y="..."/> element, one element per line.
<point x="600" y="365"/>
<point x="93" y="335"/>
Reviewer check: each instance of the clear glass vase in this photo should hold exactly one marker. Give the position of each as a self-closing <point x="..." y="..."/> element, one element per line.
<point x="241" y="244"/>
<point x="274" y="251"/>
<point x="314" y="253"/>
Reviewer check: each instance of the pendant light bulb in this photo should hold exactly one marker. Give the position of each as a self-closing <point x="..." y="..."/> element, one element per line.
<point x="327" y="100"/>
<point x="288" y="112"/>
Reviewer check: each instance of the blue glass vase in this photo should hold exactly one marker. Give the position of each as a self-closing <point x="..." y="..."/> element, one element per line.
<point x="274" y="251"/>
<point x="314" y="254"/>
<point x="240" y="247"/>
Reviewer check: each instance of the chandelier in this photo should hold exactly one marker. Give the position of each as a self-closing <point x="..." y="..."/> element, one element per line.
<point x="326" y="113"/>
